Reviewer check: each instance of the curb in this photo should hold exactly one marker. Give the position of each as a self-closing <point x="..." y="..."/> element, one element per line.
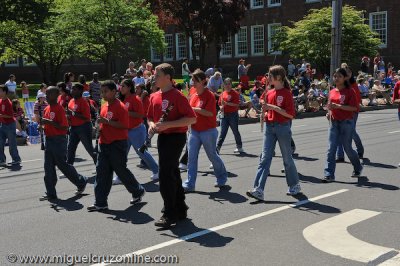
<point x="244" y="121"/>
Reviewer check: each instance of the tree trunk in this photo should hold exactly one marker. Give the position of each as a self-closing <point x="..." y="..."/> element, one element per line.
<point x="107" y="66"/>
<point x="218" y="50"/>
<point x="54" y="73"/>
<point x="202" y="50"/>
<point x="45" y="74"/>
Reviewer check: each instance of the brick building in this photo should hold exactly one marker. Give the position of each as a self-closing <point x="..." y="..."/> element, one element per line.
<point x="252" y="42"/>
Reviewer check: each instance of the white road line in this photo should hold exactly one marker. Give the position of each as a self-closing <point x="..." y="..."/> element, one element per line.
<point x="331" y="236"/>
<point x="35" y="160"/>
<point x="227" y="225"/>
<point x="397" y="131"/>
<point x="300" y="126"/>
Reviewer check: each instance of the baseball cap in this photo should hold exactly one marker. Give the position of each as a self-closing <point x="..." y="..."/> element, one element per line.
<point x="41" y="95"/>
<point x="85" y="94"/>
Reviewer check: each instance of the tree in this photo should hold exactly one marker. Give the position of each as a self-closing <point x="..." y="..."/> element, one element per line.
<point x="113" y="28"/>
<point x="48" y="44"/>
<point x="24" y="11"/>
<point x="311" y="37"/>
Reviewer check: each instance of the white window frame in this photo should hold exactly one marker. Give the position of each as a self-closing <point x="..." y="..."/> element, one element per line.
<point x="237" y="46"/>
<point x="8" y="64"/>
<point x="274" y="4"/>
<point x="171" y="36"/>
<point x="177" y="36"/>
<point x="221" y="54"/>
<point x="252" y="40"/>
<point x="154" y="54"/>
<point x="26" y="63"/>
<point x="190" y="46"/>
<point x="270" y="26"/>
<point x="252" y="6"/>
<point x="383" y="45"/>
<point x="312" y="1"/>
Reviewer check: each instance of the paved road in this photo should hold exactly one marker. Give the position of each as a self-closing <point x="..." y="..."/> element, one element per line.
<point x="317" y="229"/>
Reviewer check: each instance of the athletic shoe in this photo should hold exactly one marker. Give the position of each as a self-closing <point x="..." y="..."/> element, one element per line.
<point x="183" y="166"/>
<point x="165" y="222"/>
<point x="361" y="155"/>
<point x="212" y="166"/>
<point x="139" y="198"/>
<point x="80" y="190"/>
<point x="3" y="164"/>
<point x="187" y="189"/>
<point x="219" y="185"/>
<point x="340" y="160"/>
<point x="143" y="166"/>
<point x="283" y="170"/>
<point x="14" y="162"/>
<point x="238" y="150"/>
<point x="95" y="208"/>
<point x="116" y="180"/>
<point x="357" y="174"/>
<point x="294" y="190"/>
<point x="327" y="179"/>
<point x="47" y="197"/>
<point x="61" y="176"/>
<point x="255" y="194"/>
<point x="154" y="177"/>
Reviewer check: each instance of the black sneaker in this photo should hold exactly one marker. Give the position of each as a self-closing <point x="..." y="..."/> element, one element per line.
<point x="94" y="208"/>
<point x="327" y="179"/>
<point x="143" y="166"/>
<point x="361" y="155"/>
<point x="138" y="199"/>
<point x="80" y="190"/>
<point x="340" y="160"/>
<point x="356" y="174"/>
<point x="47" y="197"/>
<point x="165" y="222"/>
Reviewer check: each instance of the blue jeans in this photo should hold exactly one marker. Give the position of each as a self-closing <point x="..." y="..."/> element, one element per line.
<point x="112" y="158"/>
<point x="282" y="133"/>
<point x="341" y="131"/>
<point x="208" y="139"/>
<point x="136" y="138"/>
<point x="230" y="120"/>
<point x="356" y="138"/>
<point x="54" y="155"/>
<point x="399" y="115"/>
<point x="82" y="133"/>
<point x="7" y="131"/>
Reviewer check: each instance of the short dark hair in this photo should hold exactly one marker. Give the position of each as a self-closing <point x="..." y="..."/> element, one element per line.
<point x="167" y="69"/>
<point x="109" y="84"/>
<point x="61" y="85"/>
<point x="143" y="61"/>
<point x="78" y="86"/>
<point x="52" y="89"/>
<point x="42" y="85"/>
<point x="199" y="75"/>
<point x="12" y="76"/>
<point x="4" y="88"/>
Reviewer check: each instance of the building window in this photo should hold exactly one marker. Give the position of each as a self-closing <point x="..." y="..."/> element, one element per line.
<point x="155" y="56"/>
<point x="226" y="48"/>
<point x="378" y="23"/>
<point x="241" y="42"/>
<point x="272" y="45"/>
<point x="169" y="50"/>
<point x="257" y="40"/>
<point x="196" y="44"/>
<point x="274" y="3"/>
<point x="312" y="1"/>
<point x="12" y="63"/>
<point x="181" y="48"/>
<point x="26" y="61"/>
<point x="256" y="4"/>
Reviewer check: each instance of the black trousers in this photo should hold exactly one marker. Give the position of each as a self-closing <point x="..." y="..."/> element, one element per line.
<point x="170" y="147"/>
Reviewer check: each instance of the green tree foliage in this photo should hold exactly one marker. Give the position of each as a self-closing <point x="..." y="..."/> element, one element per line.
<point x="24" y="11"/>
<point x="108" y="29"/>
<point x="310" y="37"/>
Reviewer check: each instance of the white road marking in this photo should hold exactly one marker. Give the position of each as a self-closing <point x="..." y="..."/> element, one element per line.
<point x="397" y="131"/>
<point x="300" y="126"/>
<point x="331" y="236"/>
<point x="227" y="225"/>
<point x="34" y="160"/>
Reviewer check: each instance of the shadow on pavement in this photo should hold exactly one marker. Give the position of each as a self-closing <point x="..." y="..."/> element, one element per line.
<point x="223" y="195"/>
<point x="367" y="162"/>
<point x="151" y="186"/>
<point x="132" y="214"/>
<point x="69" y="204"/>
<point x="304" y="158"/>
<point x="364" y="182"/>
<point x="206" y="173"/>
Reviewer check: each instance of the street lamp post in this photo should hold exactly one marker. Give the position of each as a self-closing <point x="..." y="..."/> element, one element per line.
<point x="336" y="40"/>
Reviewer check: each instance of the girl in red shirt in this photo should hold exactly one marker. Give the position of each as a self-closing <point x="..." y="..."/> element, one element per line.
<point x="279" y="107"/>
<point x="342" y="105"/>
<point x="203" y="132"/>
<point x="229" y="105"/>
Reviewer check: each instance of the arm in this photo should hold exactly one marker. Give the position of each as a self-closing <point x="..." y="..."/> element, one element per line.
<point x="349" y="108"/>
<point x="57" y="125"/>
<point x="277" y="109"/>
<point x="136" y="114"/>
<point x="203" y="111"/>
<point x="112" y="123"/>
<point x="184" y="121"/>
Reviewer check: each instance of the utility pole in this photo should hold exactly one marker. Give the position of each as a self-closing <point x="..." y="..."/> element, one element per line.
<point x="336" y="41"/>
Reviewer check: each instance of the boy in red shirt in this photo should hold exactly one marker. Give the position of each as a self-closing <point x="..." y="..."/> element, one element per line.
<point x="113" y="147"/>
<point x="170" y="143"/>
<point x="80" y="126"/>
<point x="55" y="127"/>
<point x="7" y="128"/>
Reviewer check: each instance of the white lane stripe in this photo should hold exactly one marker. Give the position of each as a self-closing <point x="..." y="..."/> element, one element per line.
<point x="397" y="131"/>
<point x="300" y="126"/>
<point x="331" y="236"/>
<point x="35" y="160"/>
<point x="223" y="226"/>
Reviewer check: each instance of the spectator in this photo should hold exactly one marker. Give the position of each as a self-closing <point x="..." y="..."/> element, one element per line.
<point x="131" y="71"/>
<point x="82" y="80"/>
<point x="94" y="89"/>
<point x="19" y="116"/>
<point x="364" y="89"/>
<point x="149" y="67"/>
<point x="39" y="106"/>
<point x="211" y="71"/>
<point x="68" y="79"/>
<point x="291" y="70"/>
<point x="242" y="73"/>
<point x="42" y="88"/>
<point x="215" y="82"/>
<point x="185" y="71"/>
<point x="25" y="91"/>
<point x="12" y="87"/>
<point x="365" y="65"/>
<point x="139" y="80"/>
<point x="243" y="104"/>
<point x="303" y="64"/>
<point x="379" y="90"/>
<point x="143" y="64"/>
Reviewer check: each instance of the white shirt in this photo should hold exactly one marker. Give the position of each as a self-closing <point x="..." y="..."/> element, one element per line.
<point x="185" y="70"/>
<point x="11" y="85"/>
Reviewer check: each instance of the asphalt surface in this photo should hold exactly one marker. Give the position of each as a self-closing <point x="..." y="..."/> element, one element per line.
<point x="274" y="237"/>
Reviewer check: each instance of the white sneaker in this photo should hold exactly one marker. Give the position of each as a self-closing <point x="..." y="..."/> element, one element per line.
<point x="294" y="190"/>
<point x="116" y="180"/>
<point x="211" y="166"/>
<point x="255" y="194"/>
<point x="238" y="150"/>
<point x="154" y="177"/>
<point x="182" y="166"/>
<point x="61" y="176"/>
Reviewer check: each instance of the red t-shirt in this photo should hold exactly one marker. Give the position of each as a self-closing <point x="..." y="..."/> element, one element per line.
<point x="357" y="92"/>
<point x="345" y="97"/>
<point x="6" y="109"/>
<point x="79" y="106"/>
<point x="396" y="92"/>
<point x="160" y="101"/>
<point x="57" y="114"/>
<point x="133" y="104"/>
<point x="86" y="87"/>
<point x="145" y="103"/>
<point x="282" y="98"/>
<point x="114" y="112"/>
<point x="192" y="91"/>
<point x="204" y="101"/>
<point x="230" y="97"/>
<point x="63" y="100"/>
